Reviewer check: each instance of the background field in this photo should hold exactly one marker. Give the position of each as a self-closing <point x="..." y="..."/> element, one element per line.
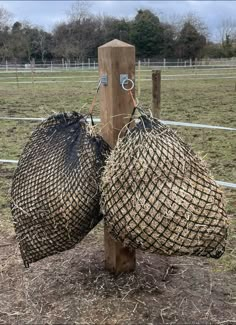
<point x="189" y="98"/>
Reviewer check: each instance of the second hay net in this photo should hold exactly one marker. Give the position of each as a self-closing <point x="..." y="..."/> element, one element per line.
<point x="158" y="195"/>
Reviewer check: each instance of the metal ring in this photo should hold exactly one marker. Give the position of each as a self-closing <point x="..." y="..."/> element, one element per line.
<point x="123" y="84"/>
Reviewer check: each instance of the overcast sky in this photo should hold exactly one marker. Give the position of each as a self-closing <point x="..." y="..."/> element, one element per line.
<point x="47" y="13"/>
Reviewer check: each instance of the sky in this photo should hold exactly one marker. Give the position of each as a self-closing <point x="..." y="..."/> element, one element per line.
<point x="47" y="13"/>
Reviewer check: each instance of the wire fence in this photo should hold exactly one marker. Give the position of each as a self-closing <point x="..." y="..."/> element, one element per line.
<point x="97" y="120"/>
<point x="65" y="79"/>
<point x="87" y="76"/>
<point x="91" y="64"/>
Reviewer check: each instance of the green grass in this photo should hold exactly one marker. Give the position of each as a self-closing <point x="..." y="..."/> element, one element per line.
<point x="199" y="101"/>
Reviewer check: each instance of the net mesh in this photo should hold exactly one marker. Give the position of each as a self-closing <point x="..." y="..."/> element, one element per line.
<point x="158" y="195"/>
<point x="55" y="190"/>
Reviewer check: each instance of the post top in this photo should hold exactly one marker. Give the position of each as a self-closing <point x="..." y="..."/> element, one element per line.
<point x="116" y="43"/>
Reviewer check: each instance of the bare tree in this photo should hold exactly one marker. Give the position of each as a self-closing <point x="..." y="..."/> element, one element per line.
<point x="227" y="29"/>
<point x="79" y="11"/>
<point x="198" y="23"/>
<point x="5" y="18"/>
<point x="178" y="22"/>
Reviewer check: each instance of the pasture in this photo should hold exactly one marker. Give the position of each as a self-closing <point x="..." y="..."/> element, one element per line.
<point x="73" y="287"/>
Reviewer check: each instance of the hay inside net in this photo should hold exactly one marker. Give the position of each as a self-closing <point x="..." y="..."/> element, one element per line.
<point x="158" y="195"/>
<point x="55" y="190"/>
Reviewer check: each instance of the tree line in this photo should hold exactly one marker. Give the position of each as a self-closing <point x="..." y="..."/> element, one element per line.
<point x="78" y="37"/>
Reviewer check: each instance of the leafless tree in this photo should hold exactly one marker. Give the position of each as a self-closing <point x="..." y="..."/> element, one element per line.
<point x="5" y="18"/>
<point x="79" y="11"/>
<point x="178" y="21"/>
<point x="227" y="28"/>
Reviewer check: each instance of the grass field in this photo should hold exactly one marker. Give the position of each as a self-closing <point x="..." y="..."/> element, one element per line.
<point x="200" y="101"/>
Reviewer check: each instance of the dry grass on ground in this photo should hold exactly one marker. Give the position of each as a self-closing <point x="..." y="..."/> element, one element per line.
<point x="74" y="288"/>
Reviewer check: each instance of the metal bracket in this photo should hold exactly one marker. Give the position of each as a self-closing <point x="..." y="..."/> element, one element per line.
<point x="104" y="80"/>
<point x="124" y="79"/>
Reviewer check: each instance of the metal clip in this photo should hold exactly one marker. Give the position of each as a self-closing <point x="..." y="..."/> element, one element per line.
<point x="124" y="79"/>
<point x="104" y="80"/>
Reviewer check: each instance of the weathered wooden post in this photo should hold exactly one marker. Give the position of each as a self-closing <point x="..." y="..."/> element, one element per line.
<point x="115" y="58"/>
<point x="139" y="78"/>
<point x="156" y="93"/>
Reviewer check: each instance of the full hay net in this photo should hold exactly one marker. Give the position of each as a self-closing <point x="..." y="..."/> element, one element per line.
<point x="55" y="190"/>
<point x="158" y="195"/>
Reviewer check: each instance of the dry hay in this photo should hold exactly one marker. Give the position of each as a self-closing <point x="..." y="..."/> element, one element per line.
<point x="158" y="195"/>
<point x="55" y="190"/>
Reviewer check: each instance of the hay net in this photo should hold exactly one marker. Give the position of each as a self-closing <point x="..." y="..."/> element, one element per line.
<point x="55" y="190"/>
<point x="158" y="195"/>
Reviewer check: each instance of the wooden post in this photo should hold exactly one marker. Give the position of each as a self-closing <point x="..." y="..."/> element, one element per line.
<point x="156" y="93"/>
<point x="115" y="58"/>
<point x="164" y="63"/>
<point x="139" y="78"/>
<point x="17" y="77"/>
<point x="32" y="64"/>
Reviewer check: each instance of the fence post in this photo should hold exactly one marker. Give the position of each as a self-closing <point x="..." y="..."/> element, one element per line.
<point x="164" y="63"/>
<point x="139" y="78"/>
<point x="156" y="93"/>
<point x="32" y="65"/>
<point x="115" y="58"/>
<point x="17" y="77"/>
<point x="6" y="65"/>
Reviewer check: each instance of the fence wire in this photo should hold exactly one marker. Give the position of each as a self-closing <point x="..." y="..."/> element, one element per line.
<point x="167" y="122"/>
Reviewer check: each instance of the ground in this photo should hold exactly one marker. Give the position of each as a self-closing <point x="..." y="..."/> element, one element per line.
<point x="73" y="287"/>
